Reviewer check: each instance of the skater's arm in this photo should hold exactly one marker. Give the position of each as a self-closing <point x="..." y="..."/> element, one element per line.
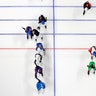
<point x="35" y="62"/>
<point x="36" y="76"/>
<point x="23" y="28"/>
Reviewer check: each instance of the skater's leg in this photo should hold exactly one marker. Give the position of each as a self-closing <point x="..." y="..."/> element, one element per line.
<point x="35" y="37"/>
<point x="42" y="37"/>
<point x="88" y="72"/>
<point x="85" y="9"/>
<point x="31" y="36"/>
<point x="94" y="72"/>
<point x="45" y="27"/>
<point x="27" y="36"/>
<point x="89" y="68"/>
<point x="38" y="27"/>
<point x="92" y="57"/>
<point x="94" y="69"/>
<point x="36" y="40"/>
<point x="84" y="12"/>
<point x="36" y="75"/>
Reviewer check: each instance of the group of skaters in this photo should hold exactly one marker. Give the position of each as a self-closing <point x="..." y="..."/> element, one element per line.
<point x="40" y="50"/>
<point x="92" y="51"/>
<point x="35" y="32"/>
<point x="39" y="47"/>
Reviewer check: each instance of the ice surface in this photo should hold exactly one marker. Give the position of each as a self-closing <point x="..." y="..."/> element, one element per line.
<point x="17" y="59"/>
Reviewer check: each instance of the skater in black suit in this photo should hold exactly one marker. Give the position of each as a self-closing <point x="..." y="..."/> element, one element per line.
<point x="42" y="20"/>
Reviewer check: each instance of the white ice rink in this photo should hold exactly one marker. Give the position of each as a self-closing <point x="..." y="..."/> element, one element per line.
<point x="65" y="69"/>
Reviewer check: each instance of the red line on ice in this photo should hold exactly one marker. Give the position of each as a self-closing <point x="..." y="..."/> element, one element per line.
<point x="45" y="48"/>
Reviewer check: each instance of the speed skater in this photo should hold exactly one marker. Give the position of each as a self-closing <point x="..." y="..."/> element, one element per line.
<point x="40" y="85"/>
<point x="42" y="20"/>
<point x="92" y="51"/>
<point x="28" y="30"/>
<point x="39" y="46"/>
<point x="36" y="33"/>
<point x="86" y="6"/>
<point x="91" y="66"/>
<point x="38" y="58"/>
<point x="38" y="69"/>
